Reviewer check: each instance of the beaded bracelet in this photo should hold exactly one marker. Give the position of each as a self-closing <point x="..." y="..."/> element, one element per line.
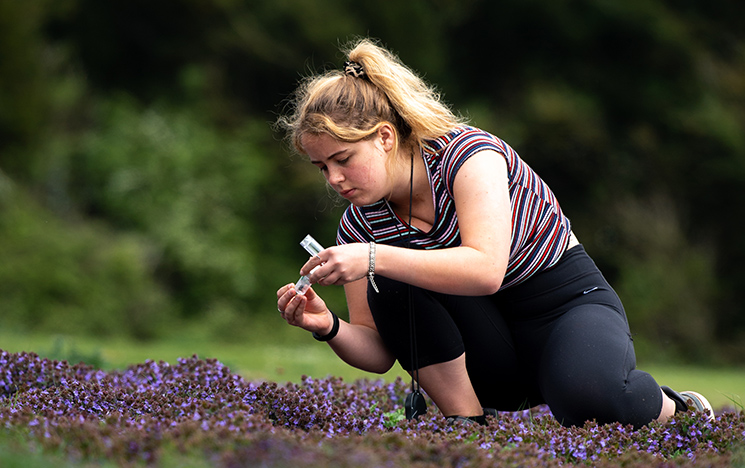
<point x="371" y="267"/>
<point x="332" y="333"/>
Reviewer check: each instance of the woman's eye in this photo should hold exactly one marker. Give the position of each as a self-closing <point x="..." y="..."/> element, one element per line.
<point x="343" y="161"/>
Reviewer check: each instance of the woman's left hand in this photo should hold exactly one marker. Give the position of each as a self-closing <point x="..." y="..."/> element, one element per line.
<point x="338" y="265"/>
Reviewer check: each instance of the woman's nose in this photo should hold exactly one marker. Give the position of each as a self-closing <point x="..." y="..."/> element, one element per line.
<point x="335" y="176"/>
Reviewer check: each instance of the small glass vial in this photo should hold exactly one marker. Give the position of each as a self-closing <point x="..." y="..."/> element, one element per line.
<point x="311" y="245"/>
<point x="302" y="285"/>
<point x="313" y="248"/>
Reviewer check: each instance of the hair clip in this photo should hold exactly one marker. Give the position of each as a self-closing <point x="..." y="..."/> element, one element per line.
<point x="354" y="69"/>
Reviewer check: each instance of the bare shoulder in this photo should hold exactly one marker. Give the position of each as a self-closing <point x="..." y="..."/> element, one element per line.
<point x="481" y="174"/>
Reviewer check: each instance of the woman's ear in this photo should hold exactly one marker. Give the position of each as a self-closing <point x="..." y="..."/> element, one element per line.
<point x="387" y="136"/>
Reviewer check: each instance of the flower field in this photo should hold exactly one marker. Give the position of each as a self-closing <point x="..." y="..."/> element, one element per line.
<point x="197" y="410"/>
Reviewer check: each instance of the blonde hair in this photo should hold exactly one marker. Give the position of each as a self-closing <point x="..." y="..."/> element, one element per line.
<point x="352" y="108"/>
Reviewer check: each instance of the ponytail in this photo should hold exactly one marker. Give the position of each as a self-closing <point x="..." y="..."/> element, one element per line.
<point x="374" y="88"/>
<point x="417" y="103"/>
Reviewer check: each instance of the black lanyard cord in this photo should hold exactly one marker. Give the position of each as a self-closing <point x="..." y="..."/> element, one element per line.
<point x="412" y="318"/>
<point x="415" y="404"/>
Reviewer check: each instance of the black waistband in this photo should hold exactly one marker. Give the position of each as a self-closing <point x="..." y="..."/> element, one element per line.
<point x="573" y="265"/>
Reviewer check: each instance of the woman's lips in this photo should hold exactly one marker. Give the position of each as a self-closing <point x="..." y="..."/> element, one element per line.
<point x="347" y="193"/>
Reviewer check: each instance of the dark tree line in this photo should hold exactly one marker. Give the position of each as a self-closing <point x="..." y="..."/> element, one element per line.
<point x="142" y="185"/>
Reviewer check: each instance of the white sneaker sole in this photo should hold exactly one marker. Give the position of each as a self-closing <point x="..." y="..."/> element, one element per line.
<point x="699" y="403"/>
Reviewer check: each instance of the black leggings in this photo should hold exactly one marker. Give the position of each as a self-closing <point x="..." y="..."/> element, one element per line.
<point x="560" y="338"/>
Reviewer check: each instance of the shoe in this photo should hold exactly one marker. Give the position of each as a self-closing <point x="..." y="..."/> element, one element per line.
<point x="481" y="420"/>
<point x="473" y="419"/>
<point x="690" y="400"/>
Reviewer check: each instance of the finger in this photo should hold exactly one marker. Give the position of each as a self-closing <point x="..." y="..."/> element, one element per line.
<point x="322" y="280"/>
<point x="310" y="294"/>
<point x="311" y="264"/>
<point x="327" y="278"/>
<point x="281" y="291"/>
<point x="318" y="273"/>
<point x="285" y="298"/>
<point x="297" y="315"/>
<point x="295" y="310"/>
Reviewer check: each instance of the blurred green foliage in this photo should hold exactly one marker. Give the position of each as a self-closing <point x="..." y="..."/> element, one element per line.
<point x="142" y="188"/>
<point x="74" y="277"/>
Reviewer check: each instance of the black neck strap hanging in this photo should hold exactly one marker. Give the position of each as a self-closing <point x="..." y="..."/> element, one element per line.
<point x="415" y="405"/>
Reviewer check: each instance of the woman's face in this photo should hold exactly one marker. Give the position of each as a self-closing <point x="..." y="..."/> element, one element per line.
<point x="356" y="171"/>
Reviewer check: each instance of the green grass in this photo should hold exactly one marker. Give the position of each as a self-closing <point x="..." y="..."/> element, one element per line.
<point x="721" y="386"/>
<point x="286" y="357"/>
<point x="289" y="354"/>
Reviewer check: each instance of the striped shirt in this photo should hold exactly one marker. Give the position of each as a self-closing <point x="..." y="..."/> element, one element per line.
<point x="540" y="231"/>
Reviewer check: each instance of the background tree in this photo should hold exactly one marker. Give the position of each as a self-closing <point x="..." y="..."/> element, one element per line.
<point x="143" y="189"/>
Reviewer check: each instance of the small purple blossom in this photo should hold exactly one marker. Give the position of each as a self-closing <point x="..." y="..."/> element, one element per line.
<point x="130" y="416"/>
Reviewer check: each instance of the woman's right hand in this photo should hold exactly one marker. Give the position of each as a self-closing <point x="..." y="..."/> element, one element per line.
<point x="307" y="311"/>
